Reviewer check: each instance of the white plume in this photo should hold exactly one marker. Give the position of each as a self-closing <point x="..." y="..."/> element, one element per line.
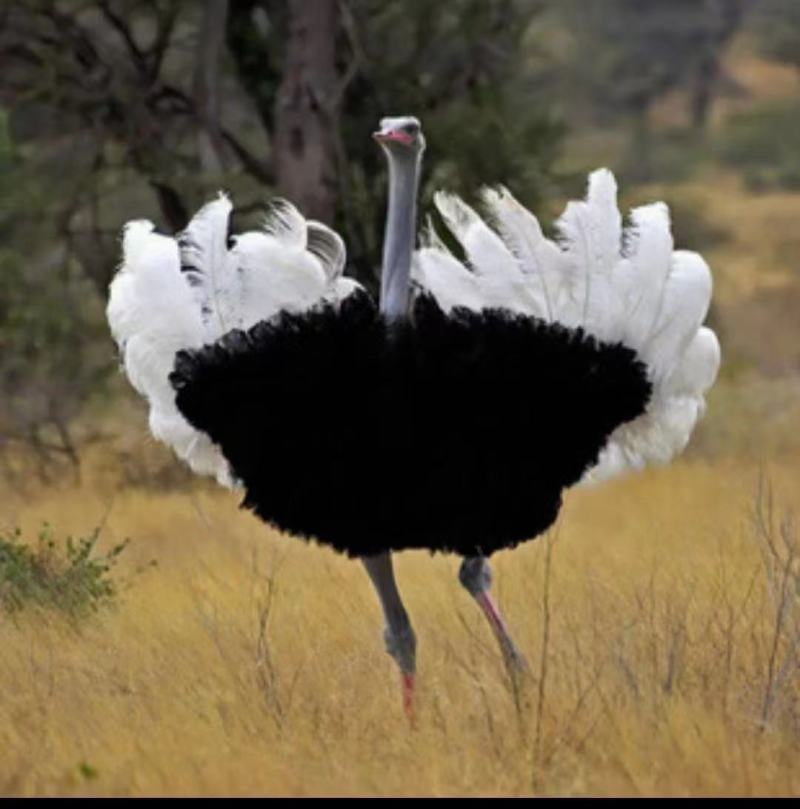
<point x="180" y="293"/>
<point x="204" y="260"/>
<point x="620" y="287"/>
<point x="498" y="272"/>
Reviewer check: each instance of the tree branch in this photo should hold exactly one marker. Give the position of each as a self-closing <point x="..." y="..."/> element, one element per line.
<point x="120" y="26"/>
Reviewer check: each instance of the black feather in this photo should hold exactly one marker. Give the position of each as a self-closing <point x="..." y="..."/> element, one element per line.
<point x="453" y="432"/>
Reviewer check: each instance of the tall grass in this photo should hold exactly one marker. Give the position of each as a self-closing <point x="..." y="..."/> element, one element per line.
<point x="660" y="621"/>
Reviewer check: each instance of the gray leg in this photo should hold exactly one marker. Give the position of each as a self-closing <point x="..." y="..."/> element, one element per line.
<point x="401" y="643"/>
<point x="476" y="577"/>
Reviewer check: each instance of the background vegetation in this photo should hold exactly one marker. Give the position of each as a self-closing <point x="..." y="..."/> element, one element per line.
<point x="662" y="615"/>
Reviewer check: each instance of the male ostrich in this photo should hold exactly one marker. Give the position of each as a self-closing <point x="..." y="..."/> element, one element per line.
<point x="449" y="419"/>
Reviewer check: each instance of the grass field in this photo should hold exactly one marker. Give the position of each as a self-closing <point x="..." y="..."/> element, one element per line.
<point x="663" y="658"/>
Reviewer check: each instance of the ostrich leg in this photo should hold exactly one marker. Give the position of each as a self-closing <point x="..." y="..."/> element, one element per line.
<point x="476" y="577"/>
<point x="401" y="643"/>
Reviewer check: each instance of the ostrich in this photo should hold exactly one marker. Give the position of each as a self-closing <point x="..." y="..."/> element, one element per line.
<point x="452" y="415"/>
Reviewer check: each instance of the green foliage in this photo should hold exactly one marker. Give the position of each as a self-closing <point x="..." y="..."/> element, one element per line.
<point x="628" y="52"/>
<point x="255" y="34"/>
<point x="72" y="577"/>
<point x="777" y="28"/>
<point x="54" y="352"/>
<point x="762" y="144"/>
<point x="676" y="154"/>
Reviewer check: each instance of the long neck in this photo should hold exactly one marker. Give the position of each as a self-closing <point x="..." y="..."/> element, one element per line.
<point x="399" y="237"/>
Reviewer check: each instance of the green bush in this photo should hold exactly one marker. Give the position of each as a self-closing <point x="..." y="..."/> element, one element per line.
<point x="73" y="577"/>
<point x="762" y="144"/>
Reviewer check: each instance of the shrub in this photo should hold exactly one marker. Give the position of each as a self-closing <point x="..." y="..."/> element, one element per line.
<point x="73" y="577"/>
<point x="762" y="144"/>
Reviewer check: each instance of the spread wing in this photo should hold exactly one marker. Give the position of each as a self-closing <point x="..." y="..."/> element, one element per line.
<point x="628" y="287"/>
<point x="172" y="294"/>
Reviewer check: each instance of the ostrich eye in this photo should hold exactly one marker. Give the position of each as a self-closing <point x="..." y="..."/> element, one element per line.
<point x="410" y="129"/>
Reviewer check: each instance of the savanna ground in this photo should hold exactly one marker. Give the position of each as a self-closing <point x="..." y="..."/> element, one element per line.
<point x="660" y="617"/>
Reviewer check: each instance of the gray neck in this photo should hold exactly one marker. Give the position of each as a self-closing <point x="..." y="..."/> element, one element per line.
<point x="400" y="233"/>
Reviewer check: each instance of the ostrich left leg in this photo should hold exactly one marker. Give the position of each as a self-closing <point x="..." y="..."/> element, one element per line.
<point x="476" y="577"/>
<point x="398" y="635"/>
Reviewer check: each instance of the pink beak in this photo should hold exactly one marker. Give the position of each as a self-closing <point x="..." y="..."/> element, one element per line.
<point x="389" y="135"/>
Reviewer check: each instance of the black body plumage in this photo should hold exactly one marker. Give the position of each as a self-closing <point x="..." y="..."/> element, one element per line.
<point x="452" y="432"/>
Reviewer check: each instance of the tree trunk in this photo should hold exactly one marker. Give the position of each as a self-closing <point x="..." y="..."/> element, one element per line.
<point x="307" y="110"/>
<point x="726" y="19"/>
<point x="211" y="148"/>
<point x="703" y="89"/>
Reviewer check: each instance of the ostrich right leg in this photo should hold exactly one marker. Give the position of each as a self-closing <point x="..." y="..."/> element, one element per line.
<point x="401" y="643"/>
<point x="475" y="576"/>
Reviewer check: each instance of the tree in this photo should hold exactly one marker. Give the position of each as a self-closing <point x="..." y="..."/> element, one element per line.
<point x="630" y="53"/>
<point x="98" y="121"/>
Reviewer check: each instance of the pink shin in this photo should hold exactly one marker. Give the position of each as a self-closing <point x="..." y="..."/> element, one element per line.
<point x="492" y="613"/>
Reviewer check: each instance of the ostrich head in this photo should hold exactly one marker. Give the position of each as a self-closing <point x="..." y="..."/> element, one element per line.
<point x="400" y="136"/>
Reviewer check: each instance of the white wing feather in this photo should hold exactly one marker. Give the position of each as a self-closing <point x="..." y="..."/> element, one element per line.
<point x="591" y="233"/>
<point x="447" y="279"/>
<point x="539" y="259"/>
<point x="204" y="260"/>
<point x="628" y="287"/>
<point x="328" y="247"/>
<point x="173" y="294"/>
<point x="498" y="275"/>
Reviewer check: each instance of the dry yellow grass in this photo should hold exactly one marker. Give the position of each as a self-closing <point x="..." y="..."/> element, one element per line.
<point x="656" y="660"/>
